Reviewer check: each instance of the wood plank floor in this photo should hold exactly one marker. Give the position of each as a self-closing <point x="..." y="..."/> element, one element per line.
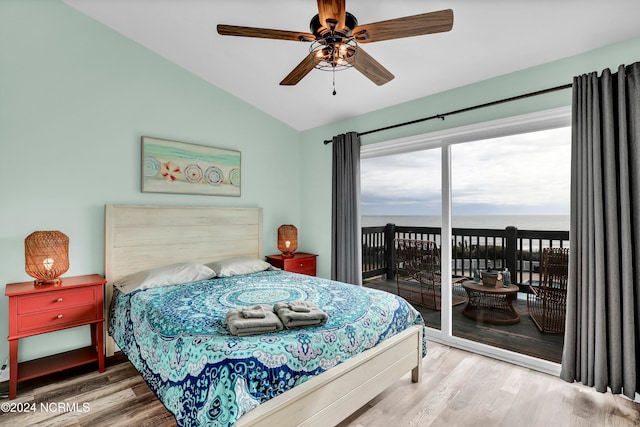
<point x="458" y="388"/>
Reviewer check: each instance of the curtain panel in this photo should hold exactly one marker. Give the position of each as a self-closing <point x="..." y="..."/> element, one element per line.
<point x="602" y="334"/>
<point x="346" y="248"/>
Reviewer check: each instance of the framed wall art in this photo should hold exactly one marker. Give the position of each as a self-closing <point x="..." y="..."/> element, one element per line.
<point x="183" y="168"/>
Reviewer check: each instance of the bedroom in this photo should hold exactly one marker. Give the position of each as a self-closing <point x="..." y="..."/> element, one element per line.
<point x="77" y="96"/>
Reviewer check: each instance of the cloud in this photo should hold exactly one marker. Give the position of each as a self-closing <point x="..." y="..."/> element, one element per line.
<point x="402" y="184"/>
<point x="521" y="174"/>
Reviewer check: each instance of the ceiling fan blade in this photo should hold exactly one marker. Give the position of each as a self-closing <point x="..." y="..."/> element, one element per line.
<point x="335" y="11"/>
<point x="409" y="26"/>
<point x="371" y="68"/>
<point x="302" y="69"/>
<point x="264" y="33"/>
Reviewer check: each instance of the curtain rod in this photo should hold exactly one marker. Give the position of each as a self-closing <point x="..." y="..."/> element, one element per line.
<point x="464" y="110"/>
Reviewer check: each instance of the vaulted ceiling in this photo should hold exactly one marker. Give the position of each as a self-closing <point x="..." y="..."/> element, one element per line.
<point x="489" y="38"/>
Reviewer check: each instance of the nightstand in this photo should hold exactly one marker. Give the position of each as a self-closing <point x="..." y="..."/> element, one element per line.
<point x="300" y="262"/>
<point x="38" y="309"/>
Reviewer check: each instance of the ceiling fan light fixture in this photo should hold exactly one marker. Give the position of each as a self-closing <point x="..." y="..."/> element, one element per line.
<point x="336" y="56"/>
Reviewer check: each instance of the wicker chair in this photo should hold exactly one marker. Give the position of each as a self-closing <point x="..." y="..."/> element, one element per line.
<point x="418" y="274"/>
<point x="547" y="303"/>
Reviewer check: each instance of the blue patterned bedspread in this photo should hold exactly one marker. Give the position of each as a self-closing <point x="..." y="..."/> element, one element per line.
<point x="177" y="338"/>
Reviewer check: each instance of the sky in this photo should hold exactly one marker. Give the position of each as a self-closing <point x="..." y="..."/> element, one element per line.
<point x="527" y="174"/>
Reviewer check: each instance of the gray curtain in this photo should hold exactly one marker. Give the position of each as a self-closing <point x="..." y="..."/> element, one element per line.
<point x="602" y="335"/>
<point x="346" y="249"/>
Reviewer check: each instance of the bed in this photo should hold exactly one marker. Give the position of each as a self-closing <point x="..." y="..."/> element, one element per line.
<point x="308" y="376"/>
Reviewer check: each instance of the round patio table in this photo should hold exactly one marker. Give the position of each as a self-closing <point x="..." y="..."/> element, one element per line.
<point x="490" y="304"/>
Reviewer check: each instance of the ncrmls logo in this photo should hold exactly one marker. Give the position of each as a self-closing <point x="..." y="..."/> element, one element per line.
<point x="64" y="407"/>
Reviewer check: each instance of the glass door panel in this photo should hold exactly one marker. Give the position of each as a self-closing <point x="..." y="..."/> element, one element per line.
<point x="401" y="204"/>
<point x="510" y="198"/>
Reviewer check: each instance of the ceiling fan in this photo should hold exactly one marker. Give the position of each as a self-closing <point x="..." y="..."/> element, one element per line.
<point x="335" y="37"/>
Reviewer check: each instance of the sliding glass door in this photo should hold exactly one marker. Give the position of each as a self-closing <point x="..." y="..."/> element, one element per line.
<point x="490" y="197"/>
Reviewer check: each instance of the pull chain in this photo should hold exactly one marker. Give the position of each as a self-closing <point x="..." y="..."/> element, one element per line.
<point x="334" y="81"/>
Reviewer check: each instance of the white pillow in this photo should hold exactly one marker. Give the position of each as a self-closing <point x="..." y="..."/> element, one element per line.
<point x="174" y="274"/>
<point x="238" y="265"/>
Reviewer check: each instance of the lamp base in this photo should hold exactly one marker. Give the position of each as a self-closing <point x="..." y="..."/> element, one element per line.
<point x="40" y="282"/>
<point x="287" y="254"/>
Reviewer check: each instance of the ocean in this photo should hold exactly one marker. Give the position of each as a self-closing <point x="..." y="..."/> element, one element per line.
<point x="500" y="222"/>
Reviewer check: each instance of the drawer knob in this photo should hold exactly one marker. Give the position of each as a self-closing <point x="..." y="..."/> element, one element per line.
<point x="59" y="299"/>
<point x="59" y="316"/>
<point x="301" y="264"/>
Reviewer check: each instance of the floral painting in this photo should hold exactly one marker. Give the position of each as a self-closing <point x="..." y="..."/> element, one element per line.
<point x="179" y="167"/>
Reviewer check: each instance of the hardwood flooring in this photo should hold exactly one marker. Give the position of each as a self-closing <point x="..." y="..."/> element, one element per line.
<point x="458" y="388"/>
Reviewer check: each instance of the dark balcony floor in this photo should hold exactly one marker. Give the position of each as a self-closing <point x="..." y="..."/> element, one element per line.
<point x="523" y="337"/>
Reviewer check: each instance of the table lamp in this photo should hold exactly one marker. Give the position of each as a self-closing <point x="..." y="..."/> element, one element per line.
<point x="46" y="256"/>
<point x="287" y="239"/>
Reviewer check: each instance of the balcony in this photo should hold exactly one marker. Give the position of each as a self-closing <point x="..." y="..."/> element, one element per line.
<point x="517" y="250"/>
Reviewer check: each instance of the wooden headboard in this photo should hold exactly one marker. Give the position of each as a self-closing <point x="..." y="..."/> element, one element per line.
<point x="142" y="237"/>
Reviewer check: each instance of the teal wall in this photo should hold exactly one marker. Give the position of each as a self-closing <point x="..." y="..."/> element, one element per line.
<point x="316" y="199"/>
<point x="75" y="98"/>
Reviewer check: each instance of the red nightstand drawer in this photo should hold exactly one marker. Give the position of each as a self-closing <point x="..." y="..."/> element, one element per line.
<point x="57" y="319"/>
<point x="56" y="300"/>
<point x="300" y="262"/>
<point x="299" y="265"/>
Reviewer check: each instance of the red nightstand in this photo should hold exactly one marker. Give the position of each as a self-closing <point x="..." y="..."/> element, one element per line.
<point x="38" y="309"/>
<point x="300" y="262"/>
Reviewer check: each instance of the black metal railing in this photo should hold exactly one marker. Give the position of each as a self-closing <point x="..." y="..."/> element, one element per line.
<point x="517" y="250"/>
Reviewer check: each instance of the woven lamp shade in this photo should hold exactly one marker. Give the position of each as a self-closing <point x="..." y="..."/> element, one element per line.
<point x="46" y="255"/>
<point x="287" y="239"/>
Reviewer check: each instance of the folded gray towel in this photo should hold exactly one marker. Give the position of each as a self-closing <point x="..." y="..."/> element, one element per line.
<point x="255" y="312"/>
<point x="243" y="326"/>
<point x="301" y="306"/>
<point x="292" y="318"/>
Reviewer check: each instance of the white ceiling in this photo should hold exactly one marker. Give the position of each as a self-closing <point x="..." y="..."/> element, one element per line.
<point x="489" y="38"/>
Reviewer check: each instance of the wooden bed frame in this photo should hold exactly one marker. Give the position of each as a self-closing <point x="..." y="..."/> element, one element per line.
<point x="143" y="237"/>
